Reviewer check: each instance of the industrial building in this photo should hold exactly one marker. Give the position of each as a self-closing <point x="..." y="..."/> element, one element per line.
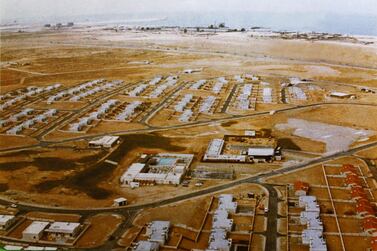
<point x="34" y="231"/>
<point x="341" y="95"/>
<point x="163" y="168"/>
<point x="62" y="231"/>
<point x="245" y="152"/>
<point x="6" y="221"/>
<point x="105" y="142"/>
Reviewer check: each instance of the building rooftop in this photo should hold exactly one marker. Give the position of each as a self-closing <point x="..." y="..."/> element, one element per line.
<point x="36" y="227"/>
<point x="260" y="151"/>
<point x="5" y="218"/>
<point x="63" y="227"/>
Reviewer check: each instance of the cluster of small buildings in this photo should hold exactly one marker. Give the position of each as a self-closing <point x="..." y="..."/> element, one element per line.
<point x="198" y="84"/>
<point x="221" y="224"/>
<point x="251" y="77"/>
<point x="157" y="233"/>
<point x="73" y="90"/>
<point x="238" y="79"/>
<point x="84" y="90"/>
<point x="129" y="110"/>
<point x="55" y="231"/>
<point x="162" y="168"/>
<point x="185" y="116"/>
<point x="180" y="106"/>
<point x="87" y="120"/>
<point x="243" y="98"/>
<point x="267" y="95"/>
<point x="207" y="104"/>
<point x="364" y="208"/>
<point x="313" y="234"/>
<point x="31" y="91"/>
<point x="156" y="80"/>
<point x="251" y="153"/>
<point x="95" y="90"/>
<point x="170" y="81"/>
<point x="138" y="90"/>
<point x="297" y="93"/>
<point x="28" y="123"/>
<point x="219" y="85"/>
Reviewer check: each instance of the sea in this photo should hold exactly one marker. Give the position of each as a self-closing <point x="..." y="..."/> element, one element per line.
<point x="352" y="24"/>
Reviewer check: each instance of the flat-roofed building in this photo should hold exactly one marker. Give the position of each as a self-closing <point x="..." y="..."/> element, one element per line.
<point x="34" y="231"/>
<point x="105" y="141"/>
<point x="146" y="246"/>
<point x="158" y="231"/>
<point x="63" y="230"/>
<point x="6" y="221"/>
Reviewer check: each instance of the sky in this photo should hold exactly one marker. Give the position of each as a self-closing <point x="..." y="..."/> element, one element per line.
<point x="15" y="9"/>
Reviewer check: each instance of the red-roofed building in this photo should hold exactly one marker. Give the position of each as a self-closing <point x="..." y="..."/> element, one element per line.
<point x="358" y="193"/>
<point x="301" y="188"/>
<point x="353" y="180"/>
<point x="363" y="210"/>
<point x="370" y="224"/>
<point x="373" y="243"/>
<point x="347" y="168"/>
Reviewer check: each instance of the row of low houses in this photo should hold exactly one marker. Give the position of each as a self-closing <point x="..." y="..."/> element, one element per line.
<point x="95" y="90"/>
<point x="364" y="208"/>
<point x="243" y="98"/>
<point x="129" y="110"/>
<point x="157" y="233"/>
<point x="186" y="115"/>
<point x="180" y="106"/>
<point x="221" y="81"/>
<point x="207" y="104"/>
<point x="31" y="91"/>
<point x="313" y="234"/>
<point x="30" y="122"/>
<point x="169" y="82"/>
<point x="221" y="224"/>
<point x="198" y="84"/>
<point x="98" y="113"/>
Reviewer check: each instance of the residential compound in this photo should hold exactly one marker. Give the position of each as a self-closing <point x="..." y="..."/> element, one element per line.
<point x="244" y="149"/>
<point x="162" y="168"/>
<point x="157" y="233"/>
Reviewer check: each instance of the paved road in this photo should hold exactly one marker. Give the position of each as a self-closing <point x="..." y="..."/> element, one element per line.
<point x="272" y="216"/>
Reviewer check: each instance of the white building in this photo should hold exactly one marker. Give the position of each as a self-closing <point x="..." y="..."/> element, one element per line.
<point x="158" y="231"/>
<point x="34" y="231"/>
<point x="185" y="116"/>
<point x="146" y="246"/>
<point x="6" y="221"/>
<point x="63" y="230"/>
<point x="105" y="141"/>
<point x="207" y="104"/>
<point x="198" y="84"/>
